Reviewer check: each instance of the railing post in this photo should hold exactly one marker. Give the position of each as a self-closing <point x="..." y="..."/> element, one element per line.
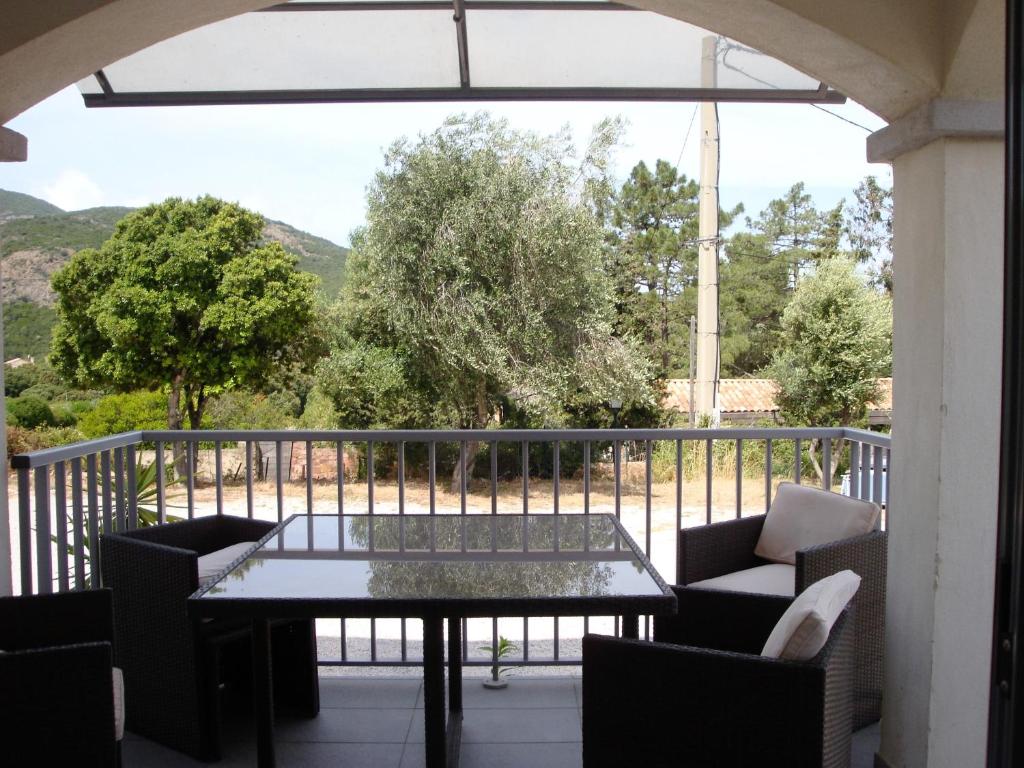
<point x="77" y="515"/>
<point x="161" y="490"/>
<point x="60" y="519"/>
<point x="132" y="490"/>
<point x="44" y="573"/>
<point x="25" y="528"/>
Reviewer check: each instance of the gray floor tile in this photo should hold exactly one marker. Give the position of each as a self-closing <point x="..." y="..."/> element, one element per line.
<point x="379" y="693"/>
<point x="147" y="754"/>
<point x="521" y="755"/>
<point x="528" y="694"/>
<point x="505" y="726"/>
<point x="378" y="726"/>
<point x="298" y="755"/>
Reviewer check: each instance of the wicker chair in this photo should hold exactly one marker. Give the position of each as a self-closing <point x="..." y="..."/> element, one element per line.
<point x="57" y="705"/>
<point x="710" y="551"/>
<point x="176" y="667"/>
<point x="701" y="696"/>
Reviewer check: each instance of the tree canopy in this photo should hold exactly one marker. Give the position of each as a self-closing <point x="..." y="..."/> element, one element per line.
<point x="183" y="296"/>
<point x="836" y="341"/>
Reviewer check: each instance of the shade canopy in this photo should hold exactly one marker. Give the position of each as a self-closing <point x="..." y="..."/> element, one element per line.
<point x="439" y="50"/>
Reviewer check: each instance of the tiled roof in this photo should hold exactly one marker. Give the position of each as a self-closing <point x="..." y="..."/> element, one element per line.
<point x="751" y="395"/>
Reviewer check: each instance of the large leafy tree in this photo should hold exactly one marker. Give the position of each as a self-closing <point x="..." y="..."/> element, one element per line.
<point x="183" y="296"/>
<point x="836" y="341"/>
<point x="479" y="280"/>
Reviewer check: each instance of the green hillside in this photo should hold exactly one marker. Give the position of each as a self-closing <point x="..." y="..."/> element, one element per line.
<point x="37" y="238"/>
<point x="16" y="204"/>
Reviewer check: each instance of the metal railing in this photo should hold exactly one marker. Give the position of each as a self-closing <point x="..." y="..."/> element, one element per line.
<point x="70" y="495"/>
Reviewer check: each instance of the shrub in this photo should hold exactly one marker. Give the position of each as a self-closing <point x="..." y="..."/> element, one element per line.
<point x="125" y="413"/>
<point x="30" y="412"/>
<point x="21" y="440"/>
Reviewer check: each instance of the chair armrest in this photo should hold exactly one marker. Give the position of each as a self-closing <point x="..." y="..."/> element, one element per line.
<point x="204" y="534"/>
<point x="865" y="555"/>
<point x="655" y="704"/>
<point x="726" y="621"/>
<point x="707" y="551"/>
<point x="58" y="706"/>
<point x="66" y="618"/>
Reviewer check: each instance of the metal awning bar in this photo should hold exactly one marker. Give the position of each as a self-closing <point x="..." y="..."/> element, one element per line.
<point x="381" y="95"/>
<point x="462" y="40"/>
<point x="470" y="5"/>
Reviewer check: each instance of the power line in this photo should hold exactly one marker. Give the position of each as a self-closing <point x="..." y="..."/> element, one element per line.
<point x="844" y="119"/>
<point x="687" y="137"/>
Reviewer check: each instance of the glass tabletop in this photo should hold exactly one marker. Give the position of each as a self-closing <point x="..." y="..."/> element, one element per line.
<point x="457" y="557"/>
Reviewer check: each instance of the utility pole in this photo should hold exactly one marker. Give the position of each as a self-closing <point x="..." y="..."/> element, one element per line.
<point x="693" y="365"/>
<point x="707" y="261"/>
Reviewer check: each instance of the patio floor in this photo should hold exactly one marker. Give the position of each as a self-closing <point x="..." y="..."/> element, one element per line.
<point x="378" y="723"/>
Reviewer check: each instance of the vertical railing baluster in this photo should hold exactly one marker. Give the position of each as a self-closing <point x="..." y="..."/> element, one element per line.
<point x="132" y="490"/>
<point x="739" y="478"/>
<point x="309" y="477"/>
<point x="854" y="469"/>
<point x="369" y="477"/>
<point x="888" y="478"/>
<point x="524" y="462"/>
<point x="826" y="463"/>
<point x="586" y="477"/>
<point x="494" y="477"/>
<point x="769" y="474"/>
<point x="120" y="508"/>
<point x="77" y="522"/>
<point x="94" y="520"/>
<point x="556" y="473"/>
<point x="616" y="446"/>
<point x="464" y="458"/>
<point x="218" y="473"/>
<point x="161" y="490"/>
<point x="340" y="459"/>
<point x="190" y="479"/>
<point x="648" y="492"/>
<point x="798" y="460"/>
<point x="249" y="500"/>
<point x="278" y="480"/>
<point x="876" y="464"/>
<point x="25" y="528"/>
<point x="679" y="489"/>
<point x="709" y="473"/>
<point x="401" y="478"/>
<point x="432" y="476"/>
<point x="107" y="497"/>
<point x="865" y="476"/>
<point x="344" y="640"/>
<point x="44" y="569"/>
<point x="60" y="520"/>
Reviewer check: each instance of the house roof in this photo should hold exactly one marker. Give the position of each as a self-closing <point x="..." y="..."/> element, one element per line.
<point x="447" y="50"/>
<point x="752" y="395"/>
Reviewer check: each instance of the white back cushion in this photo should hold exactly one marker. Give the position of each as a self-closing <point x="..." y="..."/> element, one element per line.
<point x="801" y="517"/>
<point x="804" y="628"/>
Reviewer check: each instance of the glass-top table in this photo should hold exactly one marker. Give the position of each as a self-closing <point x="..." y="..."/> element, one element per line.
<point x="432" y="567"/>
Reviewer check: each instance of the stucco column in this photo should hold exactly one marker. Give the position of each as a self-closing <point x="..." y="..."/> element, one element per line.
<point x="946" y="406"/>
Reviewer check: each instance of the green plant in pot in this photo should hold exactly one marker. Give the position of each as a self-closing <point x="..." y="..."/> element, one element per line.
<point x="505" y="647"/>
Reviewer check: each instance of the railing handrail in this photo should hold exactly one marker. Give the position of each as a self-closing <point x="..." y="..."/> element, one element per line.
<point x="49" y="456"/>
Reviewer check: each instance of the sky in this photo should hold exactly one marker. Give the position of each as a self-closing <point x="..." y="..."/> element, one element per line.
<point x="309" y="165"/>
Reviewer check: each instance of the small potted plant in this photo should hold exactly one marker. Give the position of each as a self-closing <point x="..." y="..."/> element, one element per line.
<point x="497" y="679"/>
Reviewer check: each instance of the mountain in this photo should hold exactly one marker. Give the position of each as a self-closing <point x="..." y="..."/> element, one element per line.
<point x="15" y="205"/>
<point x="37" y="239"/>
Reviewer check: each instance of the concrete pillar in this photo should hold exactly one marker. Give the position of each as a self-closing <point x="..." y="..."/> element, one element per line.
<point x="947" y="360"/>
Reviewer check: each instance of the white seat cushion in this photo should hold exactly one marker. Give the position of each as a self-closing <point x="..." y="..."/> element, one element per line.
<point x="215" y="562"/>
<point x="803" y="630"/>
<point x="118" y="680"/>
<point x="774" y="579"/>
<point x="801" y="517"/>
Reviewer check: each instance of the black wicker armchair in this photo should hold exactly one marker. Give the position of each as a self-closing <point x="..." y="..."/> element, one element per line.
<point x="57" y="703"/>
<point x="710" y="551"/>
<point x="701" y="696"/>
<point x="176" y="667"/>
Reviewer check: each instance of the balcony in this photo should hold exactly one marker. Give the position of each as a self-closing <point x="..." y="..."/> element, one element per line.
<point x="654" y="481"/>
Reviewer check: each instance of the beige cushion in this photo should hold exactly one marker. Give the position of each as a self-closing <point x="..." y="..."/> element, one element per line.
<point x="215" y="562"/>
<point x="118" y="678"/>
<point x="804" y="628"/>
<point x="801" y="517"/>
<point x="774" y="579"/>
